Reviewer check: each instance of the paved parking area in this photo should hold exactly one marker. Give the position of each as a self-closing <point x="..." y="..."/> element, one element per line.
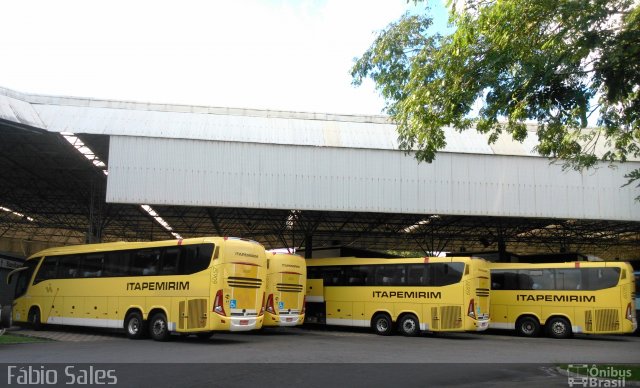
<point x="69" y="334"/>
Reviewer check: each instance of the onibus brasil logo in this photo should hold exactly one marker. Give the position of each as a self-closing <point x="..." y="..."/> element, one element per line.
<point x="584" y="375"/>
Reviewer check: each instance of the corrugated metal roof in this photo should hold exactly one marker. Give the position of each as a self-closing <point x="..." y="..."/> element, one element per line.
<point x="62" y="114"/>
<point x="271" y="176"/>
<point x="106" y="117"/>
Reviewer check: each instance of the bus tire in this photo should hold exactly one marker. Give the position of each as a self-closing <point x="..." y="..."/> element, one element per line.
<point x="158" y="327"/>
<point x="527" y="327"/>
<point x="409" y="325"/>
<point x="134" y="325"/>
<point x="35" y="319"/>
<point x="381" y="324"/>
<point x="558" y="327"/>
<point x="5" y="317"/>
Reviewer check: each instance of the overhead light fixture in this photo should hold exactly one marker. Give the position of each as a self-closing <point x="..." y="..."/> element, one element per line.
<point x="418" y="224"/>
<point x="85" y="151"/>
<point x="17" y="214"/>
<point x="160" y="220"/>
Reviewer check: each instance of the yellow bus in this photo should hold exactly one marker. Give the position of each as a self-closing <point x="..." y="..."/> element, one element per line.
<point x="563" y="298"/>
<point x="191" y="286"/>
<point x="286" y="283"/>
<point x="416" y="295"/>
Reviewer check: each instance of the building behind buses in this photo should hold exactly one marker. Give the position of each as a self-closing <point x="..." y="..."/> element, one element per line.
<point x="191" y="286"/>
<point x="285" y="291"/>
<point x="563" y="298"/>
<point x="414" y="295"/>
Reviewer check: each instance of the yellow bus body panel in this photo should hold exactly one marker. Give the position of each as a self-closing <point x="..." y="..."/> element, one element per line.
<point x="187" y="300"/>
<point x="588" y="311"/>
<point x="286" y="285"/>
<point x="438" y="308"/>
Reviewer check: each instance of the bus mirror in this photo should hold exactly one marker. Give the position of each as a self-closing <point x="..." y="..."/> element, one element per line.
<point x="15" y="271"/>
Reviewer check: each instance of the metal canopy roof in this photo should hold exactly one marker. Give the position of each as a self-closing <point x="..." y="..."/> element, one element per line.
<point x="51" y="193"/>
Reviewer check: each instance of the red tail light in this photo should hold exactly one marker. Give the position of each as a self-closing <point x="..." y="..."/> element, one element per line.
<point x="218" y="304"/>
<point x="472" y="309"/>
<point x="270" y="308"/>
<point x="262" y="306"/>
<point x="304" y="304"/>
<point x="629" y="313"/>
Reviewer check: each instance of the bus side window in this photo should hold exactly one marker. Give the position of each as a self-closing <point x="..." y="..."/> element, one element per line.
<point x="170" y="261"/>
<point x="145" y="262"/>
<point x="91" y="265"/>
<point x="497" y="280"/>
<point x="47" y="270"/>
<point x="195" y="258"/>
<point x="117" y="263"/>
<point x="68" y="266"/>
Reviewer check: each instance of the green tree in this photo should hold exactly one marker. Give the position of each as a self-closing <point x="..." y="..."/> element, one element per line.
<point x="554" y="62"/>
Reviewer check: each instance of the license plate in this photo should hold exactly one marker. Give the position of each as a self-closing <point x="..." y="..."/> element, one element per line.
<point x="289" y="319"/>
<point x="244" y="322"/>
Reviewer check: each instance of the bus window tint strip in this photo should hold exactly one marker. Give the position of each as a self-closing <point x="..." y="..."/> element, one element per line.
<point x="589" y="279"/>
<point x="182" y="260"/>
<point x="429" y="275"/>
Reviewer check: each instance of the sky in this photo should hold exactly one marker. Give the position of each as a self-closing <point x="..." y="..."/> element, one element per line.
<point x="269" y="54"/>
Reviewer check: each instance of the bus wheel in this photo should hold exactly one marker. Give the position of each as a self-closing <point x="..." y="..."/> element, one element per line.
<point x="409" y="325"/>
<point x="382" y="324"/>
<point x="558" y="328"/>
<point x="527" y="327"/>
<point x="158" y="327"/>
<point x="34" y="319"/>
<point x="134" y="325"/>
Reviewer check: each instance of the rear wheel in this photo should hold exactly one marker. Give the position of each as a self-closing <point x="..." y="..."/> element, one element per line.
<point x="34" y="319"/>
<point x="527" y="327"/>
<point x="409" y="326"/>
<point x="382" y="324"/>
<point x="134" y="325"/>
<point x="158" y="327"/>
<point x="558" y="328"/>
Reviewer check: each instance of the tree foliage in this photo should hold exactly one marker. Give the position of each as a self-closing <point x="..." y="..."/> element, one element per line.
<point x="553" y="62"/>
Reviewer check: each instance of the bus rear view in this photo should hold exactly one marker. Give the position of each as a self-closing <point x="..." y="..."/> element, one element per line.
<point x="285" y="293"/>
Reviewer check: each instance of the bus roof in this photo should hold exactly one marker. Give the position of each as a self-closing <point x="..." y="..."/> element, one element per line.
<point x="121" y="245"/>
<point x="413" y="260"/>
<point x="569" y="264"/>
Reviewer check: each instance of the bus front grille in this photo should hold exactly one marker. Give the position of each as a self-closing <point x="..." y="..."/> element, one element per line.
<point x="289" y="287"/>
<point x="240" y="282"/>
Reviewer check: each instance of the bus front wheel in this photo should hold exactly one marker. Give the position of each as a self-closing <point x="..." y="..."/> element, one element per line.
<point x="558" y="328"/>
<point x="527" y="327"/>
<point x="409" y="326"/>
<point x="34" y="319"/>
<point x="134" y="325"/>
<point x="382" y="324"/>
<point x="158" y="327"/>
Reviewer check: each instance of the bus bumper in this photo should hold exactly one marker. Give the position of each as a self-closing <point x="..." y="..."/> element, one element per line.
<point x="245" y="323"/>
<point x="283" y="320"/>
<point x="482" y="324"/>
